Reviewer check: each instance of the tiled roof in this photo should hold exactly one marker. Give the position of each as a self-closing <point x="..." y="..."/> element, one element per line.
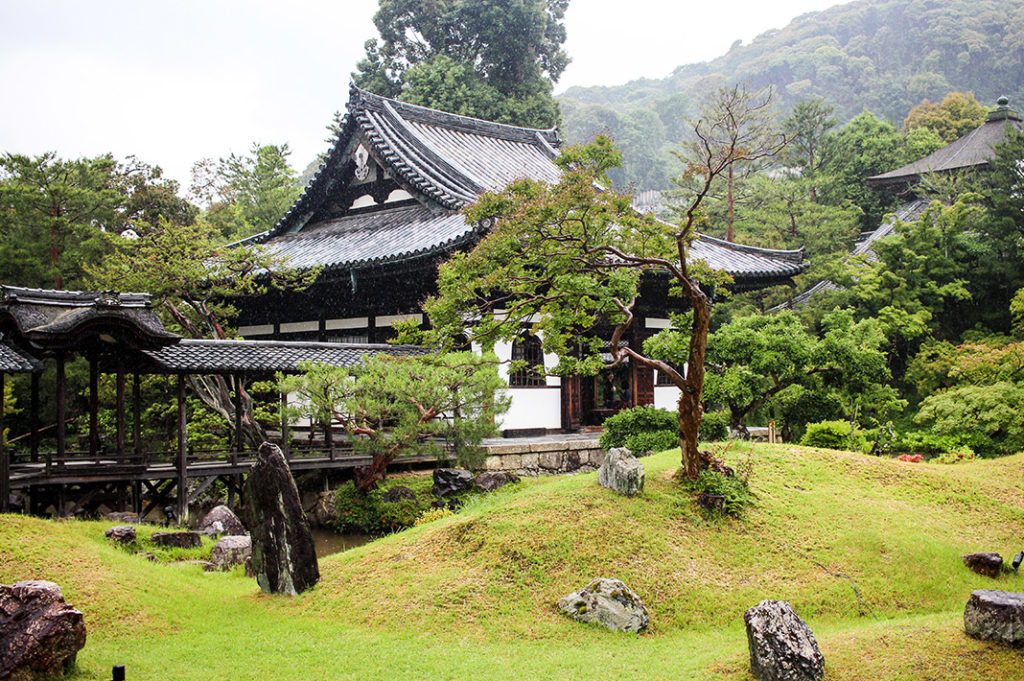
<point x="905" y="213"/>
<point x="49" y="318"/>
<point x="14" y="361"/>
<point x="372" y="238"/>
<point x="450" y="160"/>
<point x="972" y="150"/>
<point x="239" y="356"/>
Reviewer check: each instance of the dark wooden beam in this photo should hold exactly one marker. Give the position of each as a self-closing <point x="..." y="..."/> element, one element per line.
<point x="194" y="494"/>
<point x="33" y="417"/>
<point x="62" y="398"/>
<point x="94" y="408"/>
<point x="182" y="453"/>
<point x="5" y="463"/>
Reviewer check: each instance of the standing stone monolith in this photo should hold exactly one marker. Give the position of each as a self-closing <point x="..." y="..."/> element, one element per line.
<point x="782" y="646"/>
<point x="40" y="634"/>
<point x="283" y="553"/>
<point x="622" y="472"/>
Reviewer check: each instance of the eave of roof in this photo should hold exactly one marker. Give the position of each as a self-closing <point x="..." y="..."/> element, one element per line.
<point x="973" y="150"/>
<point x="263" y="357"/>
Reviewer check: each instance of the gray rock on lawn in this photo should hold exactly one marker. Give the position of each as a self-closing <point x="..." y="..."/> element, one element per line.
<point x="782" y="646"/>
<point x="283" y="553"/>
<point x="607" y="602"/>
<point x="179" y="540"/>
<point x="229" y="522"/>
<point x="985" y="564"/>
<point x="121" y="534"/>
<point x="231" y="550"/>
<point x="491" y="481"/>
<point x="40" y="634"/>
<point x="992" y="615"/>
<point x="622" y="472"/>
<point x="449" y="481"/>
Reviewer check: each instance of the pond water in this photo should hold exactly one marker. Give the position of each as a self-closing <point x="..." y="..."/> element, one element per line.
<point x="328" y="542"/>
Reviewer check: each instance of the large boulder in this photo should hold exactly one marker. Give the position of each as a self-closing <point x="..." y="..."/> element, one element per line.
<point x="450" y="481"/>
<point x="178" y="540"/>
<point x="986" y="564"/>
<point x="283" y="553"/>
<point x="231" y="550"/>
<point x="992" y="615"/>
<point x="398" y="493"/>
<point x="121" y="534"/>
<point x="607" y="602"/>
<point x="40" y="634"/>
<point x="622" y="472"/>
<point x="323" y="510"/>
<point x="782" y="646"/>
<point x="221" y="520"/>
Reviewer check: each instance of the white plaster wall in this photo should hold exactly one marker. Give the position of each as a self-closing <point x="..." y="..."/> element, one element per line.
<point x="666" y="397"/>
<point x="533" y="408"/>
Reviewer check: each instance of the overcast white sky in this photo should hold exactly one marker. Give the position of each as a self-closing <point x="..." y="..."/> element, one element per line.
<point x="173" y="81"/>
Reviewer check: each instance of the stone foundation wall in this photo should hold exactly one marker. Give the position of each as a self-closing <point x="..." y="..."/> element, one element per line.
<point x="545" y="458"/>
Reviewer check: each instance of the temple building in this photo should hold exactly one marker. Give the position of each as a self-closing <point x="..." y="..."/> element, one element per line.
<point x="383" y="212"/>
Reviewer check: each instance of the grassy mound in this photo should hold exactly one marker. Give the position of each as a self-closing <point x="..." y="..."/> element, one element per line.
<point x="867" y="550"/>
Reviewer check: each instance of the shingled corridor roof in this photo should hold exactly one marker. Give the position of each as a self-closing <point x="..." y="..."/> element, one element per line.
<point x="14" y="361"/>
<point x="974" y="149"/>
<point x="261" y="357"/>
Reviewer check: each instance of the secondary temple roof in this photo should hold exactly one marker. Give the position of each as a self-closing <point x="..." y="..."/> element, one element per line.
<point x="974" y="149"/>
<point x="444" y="162"/>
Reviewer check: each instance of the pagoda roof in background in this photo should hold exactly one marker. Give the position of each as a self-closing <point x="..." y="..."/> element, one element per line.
<point x="973" y="150"/>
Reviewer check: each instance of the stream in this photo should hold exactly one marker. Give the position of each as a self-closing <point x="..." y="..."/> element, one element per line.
<point x="328" y="542"/>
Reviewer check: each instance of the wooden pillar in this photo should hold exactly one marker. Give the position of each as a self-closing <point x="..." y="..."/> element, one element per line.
<point x="137" y="416"/>
<point x="286" y="446"/>
<point x="239" y="441"/>
<point x="94" y="408"/>
<point x="119" y="408"/>
<point x="61" y="413"/>
<point x="137" y="497"/>
<point x="33" y="416"/>
<point x="5" y="464"/>
<point x="182" y="459"/>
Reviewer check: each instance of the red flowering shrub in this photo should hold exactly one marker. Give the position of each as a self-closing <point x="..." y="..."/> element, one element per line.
<point x="912" y="458"/>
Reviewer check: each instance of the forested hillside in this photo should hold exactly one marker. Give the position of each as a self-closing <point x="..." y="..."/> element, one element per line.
<point x="884" y="56"/>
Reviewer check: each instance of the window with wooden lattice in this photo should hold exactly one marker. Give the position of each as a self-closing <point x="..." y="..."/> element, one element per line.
<point x="527" y="349"/>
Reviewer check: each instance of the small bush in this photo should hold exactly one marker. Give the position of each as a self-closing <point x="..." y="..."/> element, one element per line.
<point x="832" y="435"/>
<point x="733" y="490"/>
<point x="370" y="514"/>
<point x="619" y="428"/>
<point x="924" y="442"/>
<point x="652" y="441"/>
<point x="432" y="514"/>
<point x="910" y="458"/>
<point x="714" y="427"/>
<point x="955" y="455"/>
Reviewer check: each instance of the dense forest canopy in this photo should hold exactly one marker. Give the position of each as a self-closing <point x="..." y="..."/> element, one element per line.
<point x="883" y="56"/>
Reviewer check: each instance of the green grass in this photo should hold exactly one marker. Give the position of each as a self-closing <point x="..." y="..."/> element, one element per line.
<point x="471" y="596"/>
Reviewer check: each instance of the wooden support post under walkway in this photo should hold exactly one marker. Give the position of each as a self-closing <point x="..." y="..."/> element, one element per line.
<point x="5" y="464"/>
<point x="182" y="511"/>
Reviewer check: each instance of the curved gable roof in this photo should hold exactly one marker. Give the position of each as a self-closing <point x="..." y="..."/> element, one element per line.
<point x="448" y="158"/>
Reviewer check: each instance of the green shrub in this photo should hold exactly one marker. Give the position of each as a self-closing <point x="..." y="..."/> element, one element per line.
<point x="833" y="435"/>
<point x="634" y="421"/>
<point x="714" y="427"/>
<point x="925" y="442"/>
<point x="652" y="441"/>
<point x="733" y="489"/>
<point x="955" y="455"/>
<point x="370" y="514"/>
<point x="433" y="514"/>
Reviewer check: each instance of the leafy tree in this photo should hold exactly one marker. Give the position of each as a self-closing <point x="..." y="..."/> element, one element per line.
<point x="806" y="127"/>
<point x="57" y="215"/>
<point x="987" y="418"/>
<point x="952" y="118"/>
<point x="391" y="405"/>
<point x="754" y="359"/>
<point x="567" y="259"/>
<point x="191" y="282"/>
<point x="444" y="54"/>
<point x="246" y="195"/>
<point x="863" y="147"/>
